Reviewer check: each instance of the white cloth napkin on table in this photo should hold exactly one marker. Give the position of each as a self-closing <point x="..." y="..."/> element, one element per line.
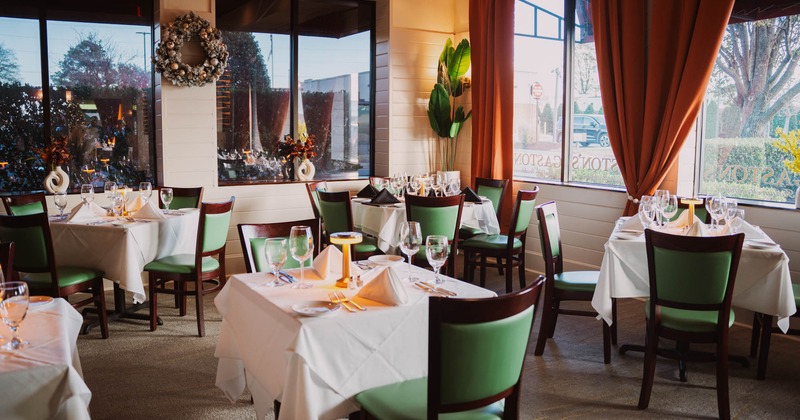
<point x="752" y="233"/>
<point x="149" y="211"/>
<point x="683" y="220"/>
<point x="633" y="224"/>
<point x="135" y="204"/>
<point x="328" y="264"/>
<point x="698" y="228"/>
<point x="86" y="213"/>
<point x="384" y="286"/>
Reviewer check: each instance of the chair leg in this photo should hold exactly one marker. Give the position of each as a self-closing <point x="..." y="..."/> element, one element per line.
<point x="614" y="321"/>
<point x="606" y="343"/>
<point x="509" y="273"/>
<point x="499" y="266"/>
<point x="177" y="301"/>
<point x="651" y="347"/>
<point x="682" y="349"/>
<point x="201" y="328"/>
<point x="556" y="307"/>
<point x="755" y="335"/>
<point x="723" y="402"/>
<point x="468" y="267"/>
<point x="522" y="281"/>
<point x="152" y="281"/>
<point x="763" y="351"/>
<point x="100" y="302"/>
<point x="545" y="327"/>
<point x="483" y="270"/>
<point x="184" y="300"/>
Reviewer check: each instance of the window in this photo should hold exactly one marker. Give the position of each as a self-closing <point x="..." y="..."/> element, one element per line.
<point x="745" y="105"/>
<point x="326" y="92"/>
<point x="97" y="95"/>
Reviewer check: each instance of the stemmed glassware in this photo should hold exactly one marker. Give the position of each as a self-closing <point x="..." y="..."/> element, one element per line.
<point x="437" y="249"/>
<point x="714" y="208"/>
<point x="729" y="206"/>
<point x="647" y="213"/>
<point x="301" y="244"/>
<point x="670" y="210"/>
<point x="166" y="198"/>
<point x="145" y="191"/>
<point x="13" y="308"/>
<point x="410" y="242"/>
<point x="109" y="189"/>
<point x="87" y="193"/>
<point x="661" y="199"/>
<point x="413" y="186"/>
<point x="60" y="200"/>
<point x="737" y="221"/>
<point x="275" y="250"/>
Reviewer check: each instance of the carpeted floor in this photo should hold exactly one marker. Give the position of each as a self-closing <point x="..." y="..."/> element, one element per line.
<point x="169" y="374"/>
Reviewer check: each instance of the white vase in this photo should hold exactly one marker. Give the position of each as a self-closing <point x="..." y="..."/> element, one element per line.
<point x="56" y="181"/>
<point x="304" y="170"/>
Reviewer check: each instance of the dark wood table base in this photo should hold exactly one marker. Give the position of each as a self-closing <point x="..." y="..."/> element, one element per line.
<point x="120" y="311"/>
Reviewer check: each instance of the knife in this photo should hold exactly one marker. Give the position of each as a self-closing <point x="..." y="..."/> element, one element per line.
<point x="438" y="289"/>
<point x="430" y="290"/>
<point x="287" y="276"/>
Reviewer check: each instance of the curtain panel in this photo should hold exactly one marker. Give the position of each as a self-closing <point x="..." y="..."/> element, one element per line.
<point x="491" y="32"/>
<point x="653" y="72"/>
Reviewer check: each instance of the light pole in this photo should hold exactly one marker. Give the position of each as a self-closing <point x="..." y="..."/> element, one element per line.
<point x="144" y="46"/>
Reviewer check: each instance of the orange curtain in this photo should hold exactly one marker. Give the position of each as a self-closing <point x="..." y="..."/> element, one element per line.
<point x="653" y="79"/>
<point x="491" y="32"/>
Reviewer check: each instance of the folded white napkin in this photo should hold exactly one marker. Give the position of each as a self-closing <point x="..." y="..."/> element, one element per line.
<point x="149" y="211"/>
<point x="633" y="224"/>
<point x="384" y="286"/>
<point x="683" y="220"/>
<point x="135" y="204"/>
<point x="751" y="232"/>
<point x="698" y="228"/>
<point x="328" y="264"/>
<point x="86" y="213"/>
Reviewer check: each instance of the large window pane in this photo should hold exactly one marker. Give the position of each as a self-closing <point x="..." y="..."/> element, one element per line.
<point x="745" y="105"/>
<point x="538" y="81"/>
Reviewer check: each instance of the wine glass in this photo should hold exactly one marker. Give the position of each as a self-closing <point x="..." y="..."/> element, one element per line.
<point x="60" y="200"/>
<point x="647" y="213"/>
<point x="166" y="198"/>
<point x="117" y="206"/>
<point x="410" y="242"/>
<point x="110" y="188"/>
<point x="413" y="186"/>
<point x="729" y="206"/>
<point x="661" y="198"/>
<point x="301" y="244"/>
<point x="437" y="249"/>
<point x="13" y="309"/>
<point x="87" y="193"/>
<point x="275" y="250"/>
<point x="714" y="208"/>
<point x="737" y="221"/>
<point x="145" y="191"/>
<point x="671" y="209"/>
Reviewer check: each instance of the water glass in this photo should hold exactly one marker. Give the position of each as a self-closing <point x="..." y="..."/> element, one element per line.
<point x="13" y="308"/>
<point x="661" y="199"/>
<point x="301" y="245"/>
<point x="647" y="212"/>
<point x="671" y="209"/>
<point x="729" y="206"/>
<point x="737" y="221"/>
<point x="275" y="250"/>
<point x="110" y="188"/>
<point x="87" y="193"/>
<point x="437" y="249"/>
<point x="410" y="242"/>
<point x="714" y="208"/>
<point x="145" y="191"/>
<point x="166" y="198"/>
<point x="60" y="200"/>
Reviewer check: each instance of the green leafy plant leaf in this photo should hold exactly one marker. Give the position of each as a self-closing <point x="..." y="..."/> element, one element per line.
<point x="439" y="111"/>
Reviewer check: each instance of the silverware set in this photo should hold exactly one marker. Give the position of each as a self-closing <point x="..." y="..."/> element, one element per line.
<point x="434" y="290"/>
<point x="339" y="297"/>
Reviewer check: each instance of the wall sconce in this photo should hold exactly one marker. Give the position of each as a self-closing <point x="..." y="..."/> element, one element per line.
<point x="467" y="82"/>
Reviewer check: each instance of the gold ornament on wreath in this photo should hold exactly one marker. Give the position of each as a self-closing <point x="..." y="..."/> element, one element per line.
<point x="167" y="58"/>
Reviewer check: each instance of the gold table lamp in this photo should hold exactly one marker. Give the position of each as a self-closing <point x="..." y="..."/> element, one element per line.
<point x="691" y="202"/>
<point x="345" y="239"/>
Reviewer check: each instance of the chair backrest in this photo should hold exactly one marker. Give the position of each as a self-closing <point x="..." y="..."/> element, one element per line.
<point x="33" y="244"/>
<point x="212" y="230"/>
<point x="496" y="331"/>
<point x="436" y="215"/>
<point x="24" y="204"/>
<point x="312" y="188"/>
<point x="493" y="189"/>
<point x="183" y="197"/>
<point x="254" y="235"/>
<point x="7" y="261"/>
<point x="334" y="209"/>
<point x="693" y="273"/>
<point x="550" y="238"/>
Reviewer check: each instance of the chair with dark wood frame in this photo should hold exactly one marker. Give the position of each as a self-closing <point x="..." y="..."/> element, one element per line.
<point x="565" y="285"/>
<point x="687" y="310"/>
<point x="337" y="216"/>
<point x="182" y="197"/>
<point x="509" y="248"/>
<point x="252" y="236"/>
<point x="198" y="268"/>
<point x="490" y="379"/>
<point x="762" y="334"/>
<point x="24" y="204"/>
<point x="312" y="188"/>
<point x="7" y="260"/>
<point x="35" y="258"/>
<point x="434" y="219"/>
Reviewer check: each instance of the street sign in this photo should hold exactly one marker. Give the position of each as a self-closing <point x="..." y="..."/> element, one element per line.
<point x="536" y="90"/>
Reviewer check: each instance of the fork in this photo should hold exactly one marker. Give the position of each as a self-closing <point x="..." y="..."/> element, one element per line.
<point x="343" y="298"/>
<point x="335" y="299"/>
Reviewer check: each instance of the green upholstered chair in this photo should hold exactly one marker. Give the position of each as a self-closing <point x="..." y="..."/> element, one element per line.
<point x="6" y="261"/>
<point x="182" y="197"/>
<point x="494" y="190"/>
<point x="337" y="216"/>
<point x="762" y="334"/>
<point x="24" y="204"/>
<point x="199" y="269"/>
<point x="312" y="188"/>
<point x="508" y="248"/>
<point x="691" y="289"/>
<point x="34" y="263"/>
<point x="436" y="216"/>
<point x="476" y="349"/>
<point x="565" y="285"/>
<point x="254" y="235"/>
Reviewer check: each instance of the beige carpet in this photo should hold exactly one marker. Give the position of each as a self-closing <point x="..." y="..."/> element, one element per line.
<point x="169" y="374"/>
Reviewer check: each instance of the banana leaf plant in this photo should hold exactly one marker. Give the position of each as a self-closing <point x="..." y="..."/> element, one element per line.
<point x="446" y="119"/>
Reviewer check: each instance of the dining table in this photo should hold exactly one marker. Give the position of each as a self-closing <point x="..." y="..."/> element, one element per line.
<point x="44" y="380"/>
<point x="383" y="220"/>
<point x="763" y="280"/>
<point x="314" y="366"/>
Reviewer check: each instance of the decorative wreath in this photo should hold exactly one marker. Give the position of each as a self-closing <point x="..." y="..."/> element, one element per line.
<point x="167" y="59"/>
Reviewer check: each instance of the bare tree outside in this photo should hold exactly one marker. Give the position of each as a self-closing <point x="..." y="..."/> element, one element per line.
<point x="9" y="68"/>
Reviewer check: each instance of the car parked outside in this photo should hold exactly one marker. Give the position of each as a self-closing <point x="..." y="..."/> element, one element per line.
<point x="594" y="128"/>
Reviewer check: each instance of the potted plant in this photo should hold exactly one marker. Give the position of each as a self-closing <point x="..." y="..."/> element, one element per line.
<point x="446" y="118"/>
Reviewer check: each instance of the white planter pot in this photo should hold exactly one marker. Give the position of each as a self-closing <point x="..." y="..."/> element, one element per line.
<point x="56" y="181"/>
<point x="304" y="170"/>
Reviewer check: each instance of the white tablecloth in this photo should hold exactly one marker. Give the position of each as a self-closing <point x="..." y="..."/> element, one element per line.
<point x="122" y="251"/>
<point x="44" y="381"/>
<point x="315" y="366"/>
<point x="763" y="282"/>
<point x="384" y="222"/>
